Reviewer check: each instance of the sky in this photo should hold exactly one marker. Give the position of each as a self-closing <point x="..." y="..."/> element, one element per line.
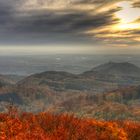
<point x="69" y="26"/>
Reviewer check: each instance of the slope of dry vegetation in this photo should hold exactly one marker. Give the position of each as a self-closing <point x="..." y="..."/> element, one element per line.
<point x="120" y="104"/>
<point x="46" y="126"/>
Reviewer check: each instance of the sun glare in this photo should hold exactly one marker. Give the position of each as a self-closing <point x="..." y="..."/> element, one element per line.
<point x="128" y="26"/>
<point x="127" y="16"/>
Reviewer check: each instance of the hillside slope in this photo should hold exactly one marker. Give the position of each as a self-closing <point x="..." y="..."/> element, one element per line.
<point x="118" y="104"/>
<point x="114" y="68"/>
<point x="53" y="89"/>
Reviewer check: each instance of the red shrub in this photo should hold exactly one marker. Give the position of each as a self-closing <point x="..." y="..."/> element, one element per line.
<point x="46" y="126"/>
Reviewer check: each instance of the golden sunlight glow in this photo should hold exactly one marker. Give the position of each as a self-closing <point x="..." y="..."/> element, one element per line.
<point x="128" y="20"/>
<point x="120" y="20"/>
<point x="137" y="39"/>
<point x="128" y="26"/>
<point x="127" y="16"/>
<point x="44" y="49"/>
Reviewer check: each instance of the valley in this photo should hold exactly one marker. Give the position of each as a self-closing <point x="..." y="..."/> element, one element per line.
<point x="108" y="91"/>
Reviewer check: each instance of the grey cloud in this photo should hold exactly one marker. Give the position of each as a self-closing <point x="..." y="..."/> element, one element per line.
<point x="71" y="22"/>
<point x="50" y="23"/>
<point x="41" y="24"/>
<point x="136" y="4"/>
<point x="96" y="1"/>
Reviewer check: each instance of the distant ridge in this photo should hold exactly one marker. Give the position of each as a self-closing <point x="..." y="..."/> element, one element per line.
<point x="117" y="68"/>
<point x="89" y="91"/>
<point x="55" y="75"/>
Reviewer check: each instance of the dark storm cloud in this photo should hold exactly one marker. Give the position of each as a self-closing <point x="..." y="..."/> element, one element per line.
<point x="5" y="13"/>
<point x="24" y="20"/>
<point x="96" y="1"/>
<point x="69" y="22"/>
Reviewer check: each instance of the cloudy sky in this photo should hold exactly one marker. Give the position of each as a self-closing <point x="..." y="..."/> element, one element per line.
<point x="78" y="23"/>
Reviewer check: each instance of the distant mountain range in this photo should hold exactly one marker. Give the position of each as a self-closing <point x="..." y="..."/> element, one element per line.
<point x="113" y="68"/>
<point x="110" y="74"/>
<point x="94" y="93"/>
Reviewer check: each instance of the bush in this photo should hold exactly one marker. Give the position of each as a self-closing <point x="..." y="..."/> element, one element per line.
<point x="47" y="126"/>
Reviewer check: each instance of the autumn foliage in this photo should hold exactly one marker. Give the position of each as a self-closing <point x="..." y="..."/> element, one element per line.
<point x="47" y="126"/>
